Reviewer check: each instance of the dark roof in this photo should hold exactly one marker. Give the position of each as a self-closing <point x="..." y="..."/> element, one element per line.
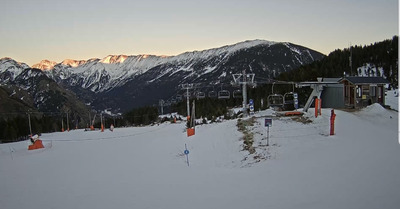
<point x="365" y="80"/>
<point x="333" y="80"/>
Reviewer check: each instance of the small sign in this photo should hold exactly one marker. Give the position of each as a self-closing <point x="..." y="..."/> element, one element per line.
<point x="251" y="102"/>
<point x="268" y="122"/>
<point x="186" y="152"/>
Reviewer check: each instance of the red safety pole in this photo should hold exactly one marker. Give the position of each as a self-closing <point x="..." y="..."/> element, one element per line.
<point x="333" y="116"/>
<point x="316" y="106"/>
<point x="320" y="106"/>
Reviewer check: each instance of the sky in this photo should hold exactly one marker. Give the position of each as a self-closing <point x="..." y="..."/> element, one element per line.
<point x="31" y="31"/>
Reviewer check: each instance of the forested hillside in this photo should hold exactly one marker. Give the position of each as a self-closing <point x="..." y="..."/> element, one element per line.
<point x="381" y="54"/>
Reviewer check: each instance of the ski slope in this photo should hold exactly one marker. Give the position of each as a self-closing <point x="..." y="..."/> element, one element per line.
<point x="145" y="167"/>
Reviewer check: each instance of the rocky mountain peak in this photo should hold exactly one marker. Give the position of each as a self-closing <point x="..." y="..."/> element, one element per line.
<point x="45" y="65"/>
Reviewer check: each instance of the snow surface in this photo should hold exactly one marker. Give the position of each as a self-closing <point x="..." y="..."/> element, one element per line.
<point x="145" y="167"/>
<point x="392" y="99"/>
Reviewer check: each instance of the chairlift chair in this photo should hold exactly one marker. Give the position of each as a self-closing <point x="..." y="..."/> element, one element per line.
<point x="178" y="97"/>
<point x="237" y="94"/>
<point x="200" y="95"/>
<point x="212" y="94"/>
<point x="290" y="101"/>
<point x="276" y="101"/>
<point x="224" y="94"/>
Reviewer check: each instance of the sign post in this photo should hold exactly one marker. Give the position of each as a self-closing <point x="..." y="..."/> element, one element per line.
<point x="187" y="154"/>
<point x="268" y="123"/>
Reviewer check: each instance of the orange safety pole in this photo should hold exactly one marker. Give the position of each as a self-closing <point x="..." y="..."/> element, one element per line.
<point x="316" y="106"/>
<point x="333" y="116"/>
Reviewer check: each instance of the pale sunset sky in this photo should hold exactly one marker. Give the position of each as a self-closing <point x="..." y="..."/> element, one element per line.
<point x="31" y="31"/>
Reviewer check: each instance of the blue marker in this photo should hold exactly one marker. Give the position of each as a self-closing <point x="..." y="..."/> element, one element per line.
<point x="187" y="154"/>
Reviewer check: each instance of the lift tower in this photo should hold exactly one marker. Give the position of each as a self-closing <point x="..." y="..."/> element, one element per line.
<point x="244" y="79"/>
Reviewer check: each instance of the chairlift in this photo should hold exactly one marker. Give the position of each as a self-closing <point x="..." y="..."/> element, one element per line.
<point x="212" y="94"/>
<point x="237" y="94"/>
<point x="290" y="100"/>
<point x="200" y="95"/>
<point x="276" y="101"/>
<point x="178" y="97"/>
<point x="224" y="94"/>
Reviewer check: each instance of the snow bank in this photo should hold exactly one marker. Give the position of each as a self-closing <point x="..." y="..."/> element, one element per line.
<point x="392" y="99"/>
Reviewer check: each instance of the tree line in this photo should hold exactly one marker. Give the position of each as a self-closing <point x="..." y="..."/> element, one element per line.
<point x="382" y="54"/>
<point x="17" y="128"/>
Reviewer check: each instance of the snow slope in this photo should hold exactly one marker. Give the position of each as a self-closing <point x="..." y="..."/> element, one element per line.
<point x="392" y="99"/>
<point x="145" y="167"/>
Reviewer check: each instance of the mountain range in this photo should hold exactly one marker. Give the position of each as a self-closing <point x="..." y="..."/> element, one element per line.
<point x="120" y="82"/>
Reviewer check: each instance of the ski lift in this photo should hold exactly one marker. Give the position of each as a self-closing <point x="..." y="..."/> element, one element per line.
<point x="291" y="101"/>
<point x="200" y="95"/>
<point x="178" y="97"/>
<point x="237" y="94"/>
<point x="212" y="94"/>
<point x="224" y="94"/>
<point x="276" y="101"/>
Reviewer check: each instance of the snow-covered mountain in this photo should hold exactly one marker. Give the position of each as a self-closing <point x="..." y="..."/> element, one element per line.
<point x="122" y="79"/>
<point x="10" y="69"/>
<point x="32" y="90"/>
<point x="45" y="65"/>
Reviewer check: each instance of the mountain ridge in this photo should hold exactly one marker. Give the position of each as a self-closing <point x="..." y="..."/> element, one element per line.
<point x="139" y="76"/>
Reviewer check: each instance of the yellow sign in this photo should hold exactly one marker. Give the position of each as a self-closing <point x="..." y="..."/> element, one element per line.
<point x="364" y="96"/>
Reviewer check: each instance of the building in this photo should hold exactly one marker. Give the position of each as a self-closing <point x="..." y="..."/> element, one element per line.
<point x="363" y="91"/>
<point x="329" y="90"/>
<point x="332" y="94"/>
